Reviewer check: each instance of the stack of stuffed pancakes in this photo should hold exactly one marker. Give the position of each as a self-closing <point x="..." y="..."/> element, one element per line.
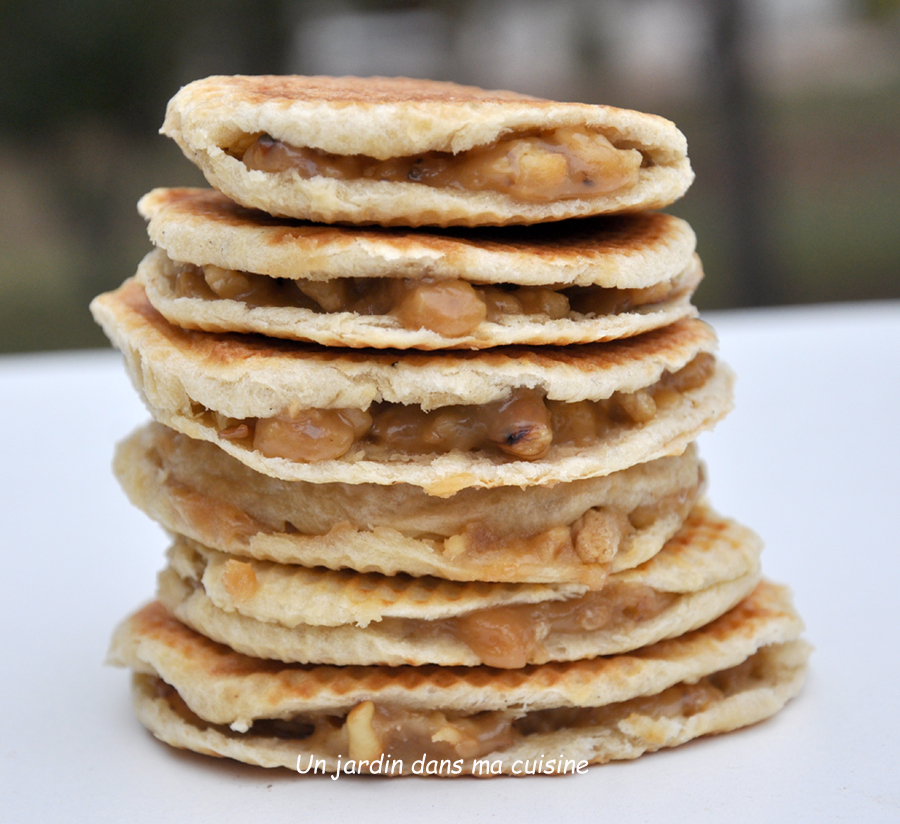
<point x="426" y="379"/>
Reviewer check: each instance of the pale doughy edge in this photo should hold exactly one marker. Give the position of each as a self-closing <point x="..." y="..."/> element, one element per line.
<point x="210" y="114"/>
<point x="707" y="551"/>
<point x="784" y="671"/>
<point x="376" y="645"/>
<point x="290" y="595"/>
<point x="394" y="529"/>
<point x="201" y="226"/>
<point x="383" y="331"/>
<point x="669" y="433"/>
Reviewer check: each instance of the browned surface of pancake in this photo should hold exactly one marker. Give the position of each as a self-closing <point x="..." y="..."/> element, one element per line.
<point x="386" y="118"/>
<point x="625" y="251"/>
<point x="738" y="670"/>
<point x="208" y="674"/>
<point x="188" y="377"/>
<point x="251" y="375"/>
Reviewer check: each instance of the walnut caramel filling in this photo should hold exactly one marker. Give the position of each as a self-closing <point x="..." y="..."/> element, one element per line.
<point x="452" y="308"/>
<point x="522" y="426"/>
<point x="370" y="730"/>
<point x="508" y="637"/>
<point x="537" y="167"/>
<point x="586" y="547"/>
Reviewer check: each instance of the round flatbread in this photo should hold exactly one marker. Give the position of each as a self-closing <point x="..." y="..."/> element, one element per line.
<point x="573" y="533"/>
<point x="296" y="614"/>
<point x="194" y="693"/>
<point x="221" y="267"/>
<point x="396" y="151"/>
<point x="205" y="385"/>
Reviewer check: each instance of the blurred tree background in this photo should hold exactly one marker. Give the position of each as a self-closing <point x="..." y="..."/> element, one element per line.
<point x="791" y="109"/>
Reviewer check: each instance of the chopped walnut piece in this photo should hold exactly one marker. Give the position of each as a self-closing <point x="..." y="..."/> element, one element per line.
<point x="451" y="308"/>
<point x="520" y="425"/>
<point x="364" y="742"/>
<point x="534" y="167"/>
<point x="598" y="534"/>
<point x="310" y="434"/>
<point x="637" y="406"/>
<point x="500" y="637"/>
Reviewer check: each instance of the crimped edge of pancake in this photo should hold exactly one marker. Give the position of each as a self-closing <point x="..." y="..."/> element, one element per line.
<point x="386" y="332"/>
<point x="396" y="117"/>
<point x="380" y="645"/>
<point x="239" y="690"/>
<point x="636" y="250"/>
<point x="183" y="505"/>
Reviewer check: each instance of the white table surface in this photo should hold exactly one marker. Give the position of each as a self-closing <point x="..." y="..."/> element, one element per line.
<point x="810" y="458"/>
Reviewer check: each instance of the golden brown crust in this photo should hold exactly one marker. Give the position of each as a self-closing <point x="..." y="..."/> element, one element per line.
<point x="183" y="374"/>
<point x="749" y="693"/>
<point x="736" y="671"/>
<point x="287" y="90"/>
<point x="223" y="685"/>
<point x="317" y="377"/>
<point x="385" y="117"/>
<point x="196" y="489"/>
<point x="203" y="226"/>
<point x="397" y="117"/>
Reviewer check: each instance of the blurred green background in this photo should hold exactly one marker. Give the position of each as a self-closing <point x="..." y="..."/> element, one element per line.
<point x="791" y="109"/>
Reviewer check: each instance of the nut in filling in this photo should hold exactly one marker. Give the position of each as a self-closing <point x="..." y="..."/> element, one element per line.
<point x="371" y="729"/>
<point x="310" y="434"/>
<point x="537" y="167"/>
<point x="374" y="729"/>
<point x="451" y="307"/>
<point x="509" y="637"/>
<point x="522" y="426"/>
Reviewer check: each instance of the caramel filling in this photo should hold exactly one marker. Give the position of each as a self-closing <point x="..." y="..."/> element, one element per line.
<point x="370" y="730"/>
<point x="508" y="637"/>
<point x="588" y="545"/>
<point x="523" y="426"/>
<point x="452" y="308"/>
<point x="542" y="167"/>
<point x="403" y="734"/>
